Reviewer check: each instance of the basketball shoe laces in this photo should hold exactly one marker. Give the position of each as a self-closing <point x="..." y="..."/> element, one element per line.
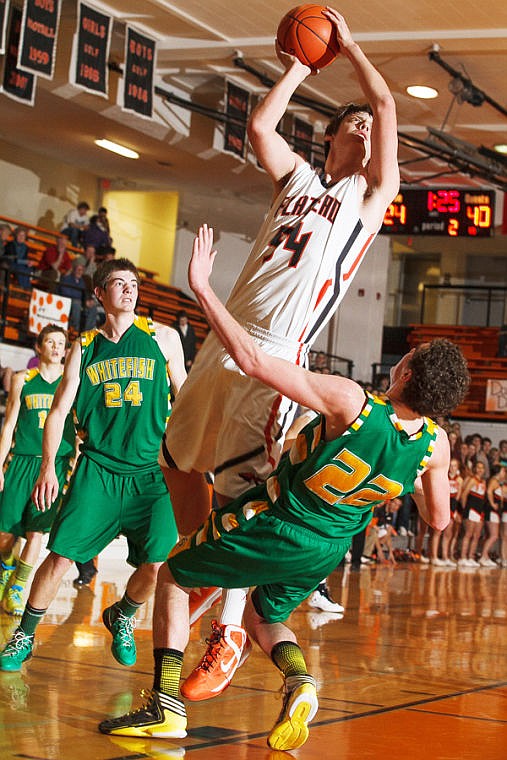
<point x="125" y="627"/>
<point x="215" y="645"/>
<point x="19" y="641"/>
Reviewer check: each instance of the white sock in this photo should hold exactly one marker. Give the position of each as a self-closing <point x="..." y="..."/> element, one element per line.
<point x="233" y="605"/>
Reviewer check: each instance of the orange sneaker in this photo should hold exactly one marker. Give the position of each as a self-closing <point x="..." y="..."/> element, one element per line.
<point x="228" y="648"/>
<point x="200" y="600"/>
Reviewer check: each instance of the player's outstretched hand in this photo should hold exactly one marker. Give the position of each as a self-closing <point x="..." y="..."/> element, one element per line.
<point x="45" y="490"/>
<point x="201" y="263"/>
<point x="343" y="34"/>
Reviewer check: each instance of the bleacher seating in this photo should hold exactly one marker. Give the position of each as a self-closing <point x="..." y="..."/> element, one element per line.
<point x="156" y="299"/>
<point x="480" y="347"/>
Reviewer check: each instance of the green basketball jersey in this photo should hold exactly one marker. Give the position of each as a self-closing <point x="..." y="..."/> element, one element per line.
<point x="332" y="486"/>
<point x="122" y="402"/>
<point x="35" y="402"/>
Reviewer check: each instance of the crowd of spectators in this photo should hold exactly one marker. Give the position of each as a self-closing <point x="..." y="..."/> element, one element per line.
<point x="81" y="243"/>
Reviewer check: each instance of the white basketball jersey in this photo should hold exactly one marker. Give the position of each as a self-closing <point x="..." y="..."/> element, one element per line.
<point x="305" y="256"/>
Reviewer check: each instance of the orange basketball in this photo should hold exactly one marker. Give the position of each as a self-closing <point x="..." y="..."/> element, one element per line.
<point x="309" y="35"/>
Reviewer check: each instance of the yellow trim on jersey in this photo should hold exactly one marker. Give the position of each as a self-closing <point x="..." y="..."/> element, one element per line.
<point x="88" y="337"/>
<point x="30" y="374"/>
<point x="145" y="324"/>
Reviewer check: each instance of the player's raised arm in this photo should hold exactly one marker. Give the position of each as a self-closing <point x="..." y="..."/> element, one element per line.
<point x="383" y="177"/>
<point x="337" y="397"/>
<point x="272" y="151"/>
<point x="46" y="487"/>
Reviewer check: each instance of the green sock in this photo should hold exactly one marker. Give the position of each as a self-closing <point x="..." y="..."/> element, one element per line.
<point x="128" y="606"/>
<point x="168" y="664"/>
<point x="21" y="574"/>
<point x="31" y="619"/>
<point x="288" y="658"/>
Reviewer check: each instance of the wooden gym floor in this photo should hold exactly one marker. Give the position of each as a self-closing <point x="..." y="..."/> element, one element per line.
<point x="416" y="668"/>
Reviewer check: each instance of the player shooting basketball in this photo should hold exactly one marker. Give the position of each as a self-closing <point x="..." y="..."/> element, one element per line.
<point x="284" y="535"/>
<point x="316" y="233"/>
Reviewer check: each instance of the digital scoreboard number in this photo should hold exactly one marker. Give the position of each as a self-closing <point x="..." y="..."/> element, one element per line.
<point x="442" y="211"/>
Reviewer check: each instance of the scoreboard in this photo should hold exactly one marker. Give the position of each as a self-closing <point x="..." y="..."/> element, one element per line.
<point x="451" y="212"/>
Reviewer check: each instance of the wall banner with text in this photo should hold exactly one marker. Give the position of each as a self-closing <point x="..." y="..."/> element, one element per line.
<point x="496" y="396"/>
<point x="4" y="12"/>
<point x="18" y="85"/>
<point x="236" y="107"/>
<point x="138" y="73"/>
<point x="90" y="50"/>
<point x="39" y="30"/>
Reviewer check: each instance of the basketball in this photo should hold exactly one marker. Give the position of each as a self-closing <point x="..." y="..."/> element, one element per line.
<point x="309" y="35"/>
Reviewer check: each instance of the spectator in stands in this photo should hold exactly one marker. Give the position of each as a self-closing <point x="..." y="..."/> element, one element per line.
<point x="382" y="384"/>
<point x="95" y="236"/>
<point x="90" y="264"/>
<point x="187" y="337"/>
<point x="16" y="251"/>
<point x="422" y="530"/>
<point x="56" y="261"/>
<point x="480" y="455"/>
<point x="493" y="513"/>
<point x="487" y="444"/>
<point x="404" y="514"/>
<point x="471" y="455"/>
<point x="449" y="535"/>
<point x="473" y="499"/>
<point x="73" y="286"/>
<point x="76" y="221"/>
<point x="103" y="221"/>
<point x="5" y="234"/>
<point x="502" y="453"/>
<point x="454" y="444"/>
<point x="381" y="532"/>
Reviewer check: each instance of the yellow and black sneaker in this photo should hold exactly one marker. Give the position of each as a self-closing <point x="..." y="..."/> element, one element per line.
<point x="299" y="707"/>
<point x="161" y="716"/>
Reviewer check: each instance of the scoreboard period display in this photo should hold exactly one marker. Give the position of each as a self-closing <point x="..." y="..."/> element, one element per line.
<point x="451" y="212"/>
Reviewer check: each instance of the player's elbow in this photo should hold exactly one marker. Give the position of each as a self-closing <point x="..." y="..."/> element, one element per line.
<point x="439" y="522"/>
<point x="384" y="105"/>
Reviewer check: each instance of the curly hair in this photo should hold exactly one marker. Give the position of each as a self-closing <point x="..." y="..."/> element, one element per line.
<point x="439" y="380"/>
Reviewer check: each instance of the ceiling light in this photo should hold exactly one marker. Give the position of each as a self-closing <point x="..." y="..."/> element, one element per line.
<point x="420" y="91"/>
<point x="501" y="148"/>
<point x="115" y="148"/>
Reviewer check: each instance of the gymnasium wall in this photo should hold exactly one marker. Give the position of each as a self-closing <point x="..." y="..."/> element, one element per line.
<point x="41" y="190"/>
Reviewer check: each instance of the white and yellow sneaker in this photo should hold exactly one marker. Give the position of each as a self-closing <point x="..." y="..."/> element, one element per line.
<point x="300" y="705"/>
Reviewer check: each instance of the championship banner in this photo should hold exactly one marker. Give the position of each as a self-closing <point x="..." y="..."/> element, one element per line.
<point x="48" y="309"/>
<point x="303" y="137"/>
<point x="17" y="84"/>
<point x="496" y="396"/>
<point x="90" y="50"/>
<point x="4" y="12"/>
<point x="39" y="29"/>
<point x="236" y="107"/>
<point x="138" y="74"/>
